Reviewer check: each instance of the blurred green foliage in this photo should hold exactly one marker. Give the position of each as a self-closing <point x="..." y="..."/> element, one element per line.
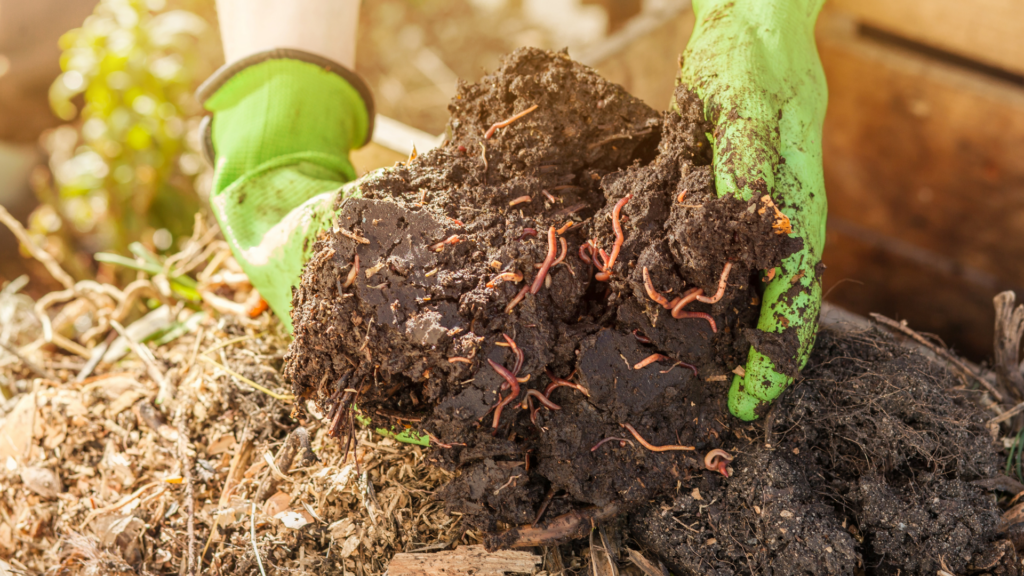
<point x="127" y="167"/>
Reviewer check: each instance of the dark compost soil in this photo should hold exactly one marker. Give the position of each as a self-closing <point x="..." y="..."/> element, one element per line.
<point x="411" y="337"/>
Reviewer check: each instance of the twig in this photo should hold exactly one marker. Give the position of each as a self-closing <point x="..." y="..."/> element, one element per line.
<point x="190" y="504"/>
<point x="902" y="327"/>
<point x="97" y="356"/>
<point x="144" y="354"/>
<point x="252" y="534"/>
<point x="267" y="391"/>
<point x="120" y="503"/>
<point x="41" y="372"/>
<point x="1007" y="415"/>
<point x="38" y="253"/>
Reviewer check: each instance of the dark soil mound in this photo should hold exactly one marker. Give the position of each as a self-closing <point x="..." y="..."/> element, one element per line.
<point x="414" y="333"/>
<point x="431" y="283"/>
<point x="864" y="467"/>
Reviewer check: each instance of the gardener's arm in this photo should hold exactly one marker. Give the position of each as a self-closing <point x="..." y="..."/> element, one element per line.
<point x="286" y="110"/>
<point x="755" y="65"/>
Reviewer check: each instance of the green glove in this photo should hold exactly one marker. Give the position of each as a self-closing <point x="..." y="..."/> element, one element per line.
<point x="282" y="127"/>
<point x="755" y="66"/>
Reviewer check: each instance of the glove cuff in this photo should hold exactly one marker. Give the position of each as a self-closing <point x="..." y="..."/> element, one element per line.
<point x="226" y="72"/>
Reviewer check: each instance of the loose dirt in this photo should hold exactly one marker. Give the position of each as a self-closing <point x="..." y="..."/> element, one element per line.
<point x="403" y="311"/>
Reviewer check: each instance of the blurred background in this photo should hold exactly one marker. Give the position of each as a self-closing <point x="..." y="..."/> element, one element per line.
<point x="923" y="143"/>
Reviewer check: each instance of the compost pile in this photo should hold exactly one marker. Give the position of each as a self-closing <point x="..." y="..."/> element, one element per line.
<point x="474" y="258"/>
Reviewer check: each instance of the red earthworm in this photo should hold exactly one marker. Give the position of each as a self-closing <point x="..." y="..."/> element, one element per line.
<point x="603" y="266"/>
<point x="649" y="360"/>
<point x="584" y="249"/>
<point x="565" y="227"/>
<point x="651" y="292"/>
<point x="462" y="359"/>
<point x="678" y="304"/>
<point x="690" y="366"/>
<point x="549" y="196"/>
<point x="453" y="239"/>
<point x="652" y="447"/>
<point x="520" y="200"/>
<point x="517" y="351"/>
<point x="538" y="282"/>
<point x="556" y="382"/>
<point x="518" y="298"/>
<point x="527" y="232"/>
<point x="458" y="222"/>
<point x="352" y="273"/>
<point x="721" y="286"/>
<point x="723" y="459"/>
<point x="642" y="338"/>
<point x="685" y="314"/>
<point x="532" y="392"/>
<point x="622" y="442"/>
<point x="617" y="227"/>
<point x="503" y="123"/>
<point x="512" y="382"/>
<point x="682" y="196"/>
<point x="565" y="250"/>
<point x="506" y="276"/>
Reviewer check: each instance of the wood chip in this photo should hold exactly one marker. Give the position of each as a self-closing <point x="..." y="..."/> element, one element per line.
<point x="466" y="560"/>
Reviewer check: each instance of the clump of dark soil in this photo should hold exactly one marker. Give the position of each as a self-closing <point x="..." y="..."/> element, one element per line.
<point x="413" y="333"/>
<point x="865" y="466"/>
<point x="411" y="301"/>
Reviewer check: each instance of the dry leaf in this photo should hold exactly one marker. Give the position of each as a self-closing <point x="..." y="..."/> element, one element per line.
<point x="277" y="503"/>
<point x="42" y="481"/>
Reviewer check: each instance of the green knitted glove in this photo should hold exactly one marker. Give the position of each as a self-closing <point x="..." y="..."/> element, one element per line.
<point x="755" y="65"/>
<point x="282" y="127"/>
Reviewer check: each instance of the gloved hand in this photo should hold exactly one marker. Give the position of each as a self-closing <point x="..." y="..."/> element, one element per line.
<point x="282" y="126"/>
<point x="755" y="66"/>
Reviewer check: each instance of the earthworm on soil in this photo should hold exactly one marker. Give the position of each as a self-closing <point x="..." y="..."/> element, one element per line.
<point x="549" y="196"/>
<point x="642" y="338"/>
<point x="651" y="292"/>
<point x="682" y="196"/>
<point x="512" y="382"/>
<point x="622" y="441"/>
<point x="538" y="282"/>
<point x="565" y="227"/>
<point x="677" y="304"/>
<point x="453" y="239"/>
<point x="649" y="360"/>
<point x="527" y="232"/>
<point x="533" y="393"/>
<point x="556" y="382"/>
<point x="721" y="286"/>
<point x="503" y="123"/>
<point x="617" y="227"/>
<point x="517" y="351"/>
<point x="723" y="459"/>
<point x="652" y="447"/>
<point x="584" y="249"/>
<point x="506" y="276"/>
<point x="518" y="298"/>
<point x="455" y="359"/>
<point x="684" y="314"/>
<point x="352" y="273"/>
<point x="565" y="250"/>
<point x="520" y="200"/>
<point x="690" y="366"/>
